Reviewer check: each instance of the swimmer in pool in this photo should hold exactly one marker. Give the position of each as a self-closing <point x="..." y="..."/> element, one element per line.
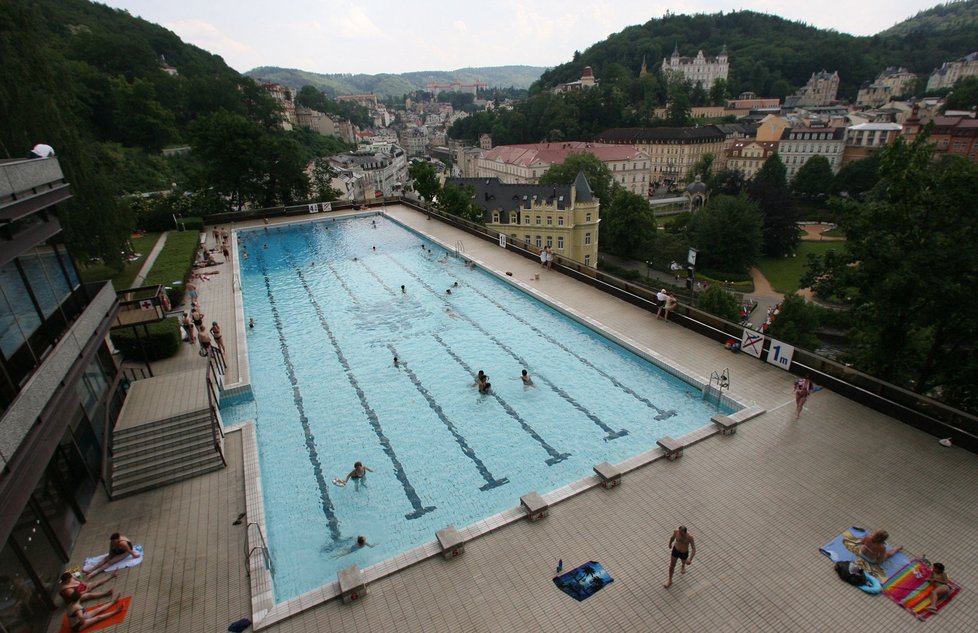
<point x="359" y="545"/>
<point x="525" y="377"/>
<point x="358" y="475"/>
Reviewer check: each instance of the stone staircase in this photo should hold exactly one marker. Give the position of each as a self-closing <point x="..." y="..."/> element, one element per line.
<point x="165" y="433"/>
<point x="154" y="455"/>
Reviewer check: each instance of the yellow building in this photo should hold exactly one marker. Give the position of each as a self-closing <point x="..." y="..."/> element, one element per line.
<point x="564" y="217"/>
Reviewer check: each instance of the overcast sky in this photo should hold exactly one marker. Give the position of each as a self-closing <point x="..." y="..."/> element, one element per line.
<point x="394" y="36"/>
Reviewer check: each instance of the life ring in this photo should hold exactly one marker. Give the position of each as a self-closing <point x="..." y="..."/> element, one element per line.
<point x="872" y="585"/>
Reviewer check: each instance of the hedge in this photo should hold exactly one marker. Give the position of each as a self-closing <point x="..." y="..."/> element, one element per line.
<point x="163" y="341"/>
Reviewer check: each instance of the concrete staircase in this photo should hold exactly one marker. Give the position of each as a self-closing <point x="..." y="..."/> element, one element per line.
<point x="153" y="455"/>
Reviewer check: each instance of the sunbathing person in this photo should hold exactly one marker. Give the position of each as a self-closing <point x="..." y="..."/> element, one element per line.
<point x="942" y="587"/>
<point x="874" y="547"/>
<point x="69" y="585"/>
<point x="81" y="618"/>
<point x="120" y="548"/>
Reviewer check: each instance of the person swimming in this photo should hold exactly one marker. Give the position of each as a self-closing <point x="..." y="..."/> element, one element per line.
<point x="525" y="377"/>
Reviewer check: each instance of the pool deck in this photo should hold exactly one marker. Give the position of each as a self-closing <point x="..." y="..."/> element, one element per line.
<point x="759" y="502"/>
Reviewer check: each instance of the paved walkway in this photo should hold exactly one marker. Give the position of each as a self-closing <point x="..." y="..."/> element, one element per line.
<point x="149" y="261"/>
<point x="759" y="502"/>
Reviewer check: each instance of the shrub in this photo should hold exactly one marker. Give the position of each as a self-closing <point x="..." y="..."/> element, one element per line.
<point x="718" y="301"/>
<point x="162" y="342"/>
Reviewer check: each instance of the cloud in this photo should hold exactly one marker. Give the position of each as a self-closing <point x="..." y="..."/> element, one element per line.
<point x="356" y="25"/>
<point x="210" y="38"/>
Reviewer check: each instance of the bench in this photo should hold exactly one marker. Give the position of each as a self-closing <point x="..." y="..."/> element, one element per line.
<point x="726" y="424"/>
<point x="352" y="585"/>
<point x="672" y="447"/>
<point x="534" y="506"/>
<point x="451" y="542"/>
<point x="609" y="475"/>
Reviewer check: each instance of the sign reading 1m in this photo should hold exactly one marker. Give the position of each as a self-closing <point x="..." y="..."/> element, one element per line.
<point x="780" y="354"/>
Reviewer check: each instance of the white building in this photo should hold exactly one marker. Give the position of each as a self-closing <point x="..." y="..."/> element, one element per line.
<point x="700" y="69"/>
<point x="798" y="144"/>
<point x="951" y="72"/>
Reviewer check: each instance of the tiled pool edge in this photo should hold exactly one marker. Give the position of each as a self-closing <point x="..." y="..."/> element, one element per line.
<point x="265" y="612"/>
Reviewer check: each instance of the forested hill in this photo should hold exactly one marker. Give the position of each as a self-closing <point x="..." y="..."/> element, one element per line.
<point x="397" y="84"/>
<point x="772" y="56"/>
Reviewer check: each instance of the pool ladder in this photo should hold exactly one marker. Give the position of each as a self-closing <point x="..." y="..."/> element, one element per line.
<point x="722" y="379"/>
<point x="261" y="547"/>
<point x="459" y="248"/>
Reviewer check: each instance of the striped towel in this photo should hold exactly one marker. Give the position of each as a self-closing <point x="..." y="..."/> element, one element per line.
<point x="911" y="589"/>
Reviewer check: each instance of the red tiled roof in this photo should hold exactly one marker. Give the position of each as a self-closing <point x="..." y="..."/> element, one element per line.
<point x="557" y="153"/>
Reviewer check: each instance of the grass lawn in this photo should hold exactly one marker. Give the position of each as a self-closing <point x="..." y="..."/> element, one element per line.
<point x="174" y="262"/>
<point x="784" y="273"/>
<point x="836" y="232"/>
<point x="122" y="279"/>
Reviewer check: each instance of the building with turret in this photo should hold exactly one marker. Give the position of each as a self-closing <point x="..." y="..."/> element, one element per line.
<point x="587" y="80"/>
<point x="700" y="69"/>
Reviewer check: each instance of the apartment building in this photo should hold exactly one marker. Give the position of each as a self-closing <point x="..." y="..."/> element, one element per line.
<point x="564" y="217"/>
<point x="892" y="82"/>
<point x="821" y="90"/>
<point x="951" y="134"/>
<point x="672" y="151"/>
<point x="527" y="163"/>
<point x="799" y="144"/>
<point x="953" y="71"/>
<point x="867" y="138"/>
<point x="747" y="156"/>
<point x="379" y="171"/>
<point x="60" y="392"/>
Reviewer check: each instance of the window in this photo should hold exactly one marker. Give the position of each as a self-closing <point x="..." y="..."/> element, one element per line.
<point x="550" y="220"/>
<point x="538" y="220"/>
<point x="526" y="239"/>
<point x="587" y="260"/>
<point x="560" y="242"/>
<point x="550" y="241"/>
<point x="538" y="242"/>
<point x="587" y="217"/>
<point x="495" y="217"/>
<point x="526" y="219"/>
<point x="587" y="239"/>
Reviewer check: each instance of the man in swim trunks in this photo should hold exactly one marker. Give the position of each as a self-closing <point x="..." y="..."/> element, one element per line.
<point x="683" y="548"/>
<point x="120" y="547"/>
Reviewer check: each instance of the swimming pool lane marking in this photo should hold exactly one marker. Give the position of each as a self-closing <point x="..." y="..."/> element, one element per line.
<point x="555" y="456"/>
<point x="661" y="414"/>
<point x="611" y="433"/>
<point x="419" y="508"/>
<point x="317" y="468"/>
<point x="491" y="482"/>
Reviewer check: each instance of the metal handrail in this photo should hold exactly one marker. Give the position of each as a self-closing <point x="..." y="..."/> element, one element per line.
<point x="263" y="548"/>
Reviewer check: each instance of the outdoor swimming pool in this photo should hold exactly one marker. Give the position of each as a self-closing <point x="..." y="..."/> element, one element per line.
<point x="330" y="316"/>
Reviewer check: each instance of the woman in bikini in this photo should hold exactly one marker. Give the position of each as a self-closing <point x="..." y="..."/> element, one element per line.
<point x="69" y="584"/>
<point x="942" y="587"/>
<point x="81" y="618"/>
<point x="218" y="337"/>
<point x="119" y="548"/>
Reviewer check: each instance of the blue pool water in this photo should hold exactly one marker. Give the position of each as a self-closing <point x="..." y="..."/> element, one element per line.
<point x="326" y="394"/>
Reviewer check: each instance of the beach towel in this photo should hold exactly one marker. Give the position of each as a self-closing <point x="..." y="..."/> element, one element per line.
<point x="845" y="547"/>
<point x="584" y="581"/>
<point x="911" y="588"/>
<point x="116" y="619"/>
<point x="126" y="562"/>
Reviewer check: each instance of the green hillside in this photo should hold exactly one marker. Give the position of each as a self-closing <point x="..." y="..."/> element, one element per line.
<point x="388" y="85"/>
<point x="772" y="56"/>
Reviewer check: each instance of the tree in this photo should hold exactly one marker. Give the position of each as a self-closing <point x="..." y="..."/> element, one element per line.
<point x="322" y="179"/>
<point x="912" y="276"/>
<point x="814" y="179"/>
<point x="628" y="225"/>
<point x="679" y="110"/>
<point x="796" y="323"/>
<point x="727" y="233"/>
<point x="769" y="189"/>
<point x="719" y="302"/>
<point x="702" y="168"/>
<point x="425" y="179"/>
<point x="858" y="177"/>
<point x="598" y="175"/>
<point x="458" y="201"/>
<point x="964" y="96"/>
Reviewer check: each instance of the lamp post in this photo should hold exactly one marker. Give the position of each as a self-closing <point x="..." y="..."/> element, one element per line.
<point x="691" y="275"/>
<point x="648" y="269"/>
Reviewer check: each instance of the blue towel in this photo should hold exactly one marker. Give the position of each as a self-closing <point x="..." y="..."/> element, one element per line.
<point x="584" y="581"/>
